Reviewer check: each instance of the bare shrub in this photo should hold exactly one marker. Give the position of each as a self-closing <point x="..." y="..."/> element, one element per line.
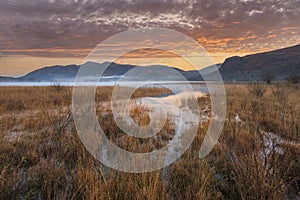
<point x="56" y="87"/>
<point x="293" y="78"/>
<point x="257" y="90"/>
<point x="268" y="77"/>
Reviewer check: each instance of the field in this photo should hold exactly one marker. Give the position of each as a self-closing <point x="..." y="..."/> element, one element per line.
<point x="257" y="157"/>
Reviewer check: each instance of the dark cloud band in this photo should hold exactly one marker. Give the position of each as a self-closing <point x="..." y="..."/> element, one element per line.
<point x="233" y="25"/>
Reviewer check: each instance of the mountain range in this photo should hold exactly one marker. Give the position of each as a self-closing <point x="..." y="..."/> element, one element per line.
<point x="280" y="64"/>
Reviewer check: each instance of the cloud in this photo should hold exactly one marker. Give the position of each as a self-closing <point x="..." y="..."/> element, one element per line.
<point x="37" y="27"/>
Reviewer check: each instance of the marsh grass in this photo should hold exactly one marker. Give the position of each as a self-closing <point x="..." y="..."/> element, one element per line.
<point x="41" y="156"/>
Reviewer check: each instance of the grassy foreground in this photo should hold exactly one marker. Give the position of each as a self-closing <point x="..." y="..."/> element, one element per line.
<point x="41" y="156"/>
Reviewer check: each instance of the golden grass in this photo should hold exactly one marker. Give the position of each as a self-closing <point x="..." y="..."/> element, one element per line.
<point x="41" y="156"/>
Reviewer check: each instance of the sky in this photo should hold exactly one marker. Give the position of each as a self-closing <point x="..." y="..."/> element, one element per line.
<point x="39" y="33"/>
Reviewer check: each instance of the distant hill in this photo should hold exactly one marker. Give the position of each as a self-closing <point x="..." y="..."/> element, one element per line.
<point x="69" y="72"/>
<point x="279" y="63"/>
<point x="112" y="73"/>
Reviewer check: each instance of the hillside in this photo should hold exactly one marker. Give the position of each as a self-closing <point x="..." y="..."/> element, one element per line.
<point x="279" y="63"/>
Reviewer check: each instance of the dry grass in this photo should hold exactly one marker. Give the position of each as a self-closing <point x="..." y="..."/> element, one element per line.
<point x="41" y="156"/>
<point x="20" y="99"/>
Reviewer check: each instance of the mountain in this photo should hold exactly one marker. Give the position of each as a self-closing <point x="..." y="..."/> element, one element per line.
<point x="52" y="73"/>
<point x="69" y="72"/>
<point x="113" y="72"/>
<point x="280" y="64"/>
<point x="6" y="79"/>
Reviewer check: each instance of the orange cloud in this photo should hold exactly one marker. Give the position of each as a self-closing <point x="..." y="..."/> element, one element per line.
<point x="289" y="28"/>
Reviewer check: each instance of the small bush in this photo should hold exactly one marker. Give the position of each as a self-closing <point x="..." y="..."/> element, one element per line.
<point x="257" y="90"/>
